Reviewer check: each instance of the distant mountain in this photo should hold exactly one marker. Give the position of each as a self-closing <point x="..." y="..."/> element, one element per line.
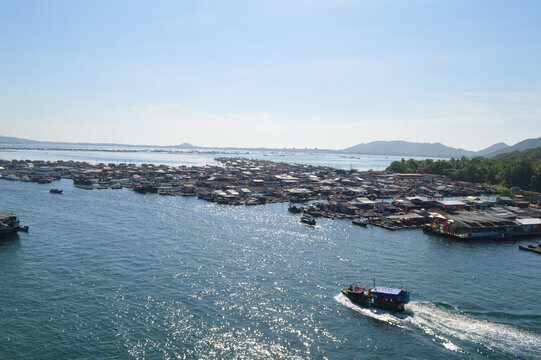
<point x="405" y="148"/>
<point x="14" y="140"/>
<point x="186" y="146"/>
<point x="395" y="147"/>
<point x="528" y="154"/>
<point x="523" y="145"/>
<point x="491" y="149"/>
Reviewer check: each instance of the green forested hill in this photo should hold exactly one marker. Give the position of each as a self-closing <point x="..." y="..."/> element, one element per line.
<point x="530" y="154"/>
<point x="519" y="168"/>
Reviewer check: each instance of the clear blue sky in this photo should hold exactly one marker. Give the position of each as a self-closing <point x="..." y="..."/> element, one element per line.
<point x="327" y="74"/>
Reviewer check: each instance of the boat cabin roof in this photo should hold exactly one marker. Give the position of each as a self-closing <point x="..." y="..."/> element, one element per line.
<point x="390" y="293"/>
<point x="385" y="290"/>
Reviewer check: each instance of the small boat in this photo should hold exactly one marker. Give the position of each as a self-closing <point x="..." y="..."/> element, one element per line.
<point x="294" y="209"/>
<point x="360" y="222"/>
<point x="536" y="248"/>
<point x="379" y="297"/>
<point x="143" y="189"/>
<point x="308" y="220"/>
<point x="55" y="191"/>
<point x="9" y="223"/>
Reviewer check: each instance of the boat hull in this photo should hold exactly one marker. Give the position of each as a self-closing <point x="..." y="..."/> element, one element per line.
<point x="8" y="224"/>
<point x="369" y="301"/>
<point x="363" y="223"/>
<point x="308" y="220"/>
<point x="532" y="248"/>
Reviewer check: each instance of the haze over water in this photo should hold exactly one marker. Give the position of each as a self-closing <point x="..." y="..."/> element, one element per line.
<point x="115" y="274"/>
<point x="190" y="157"/>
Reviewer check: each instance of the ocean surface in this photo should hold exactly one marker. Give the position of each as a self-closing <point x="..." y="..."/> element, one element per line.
<point x="197" y="157"/>
<point x="112" y="274"/>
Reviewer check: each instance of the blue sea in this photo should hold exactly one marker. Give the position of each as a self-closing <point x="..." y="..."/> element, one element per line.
<point x="112" y="274"/>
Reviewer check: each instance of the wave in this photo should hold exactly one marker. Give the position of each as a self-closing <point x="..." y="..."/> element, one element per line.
<point x="447" y="327"/>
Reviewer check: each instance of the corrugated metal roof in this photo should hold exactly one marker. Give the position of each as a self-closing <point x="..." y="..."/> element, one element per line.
<point x="451" y="203"/>
<point x="530" y="221"/>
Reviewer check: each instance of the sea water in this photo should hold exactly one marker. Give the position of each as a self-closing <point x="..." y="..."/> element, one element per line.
<point x="115" y="274"/>
<point x="189" y="157"/>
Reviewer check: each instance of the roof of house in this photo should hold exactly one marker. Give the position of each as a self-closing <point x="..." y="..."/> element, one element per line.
<point x="529" y="221"/>
<point x="481" y="220"/>
<point x="451" y="203"/>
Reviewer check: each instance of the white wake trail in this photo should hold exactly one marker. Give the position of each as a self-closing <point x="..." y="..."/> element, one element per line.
<point x="391" y="319"/>
<point x="444" y="324"/>
<point x="381" y="316"/>
<point x="441" y="322"/>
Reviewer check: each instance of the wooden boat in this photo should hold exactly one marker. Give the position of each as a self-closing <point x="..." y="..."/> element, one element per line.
<point x="536" y="248"/>
<point x="379" y="297"/>
<point x="294" y="209"/>
<point x="9" y="223"/>
<point x="360" y="222"/>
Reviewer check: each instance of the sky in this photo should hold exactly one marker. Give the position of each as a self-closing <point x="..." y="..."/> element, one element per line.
<point x="317" y="74"/>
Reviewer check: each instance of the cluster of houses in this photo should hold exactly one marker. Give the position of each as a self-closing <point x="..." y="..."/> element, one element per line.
<point x="498" y="222"/>
<point x="388" y="199"/>
<point x="27" y="171"/>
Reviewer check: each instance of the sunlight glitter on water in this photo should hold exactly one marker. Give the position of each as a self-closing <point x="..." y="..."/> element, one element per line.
<point x="105" y="274"/>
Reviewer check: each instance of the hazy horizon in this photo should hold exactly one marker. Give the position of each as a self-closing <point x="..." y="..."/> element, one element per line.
<point x="309" y="74"/>
<point x="216" y="147"/>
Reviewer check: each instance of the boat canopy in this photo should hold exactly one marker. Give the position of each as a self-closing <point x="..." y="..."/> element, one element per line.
<point x="389" y="293"/>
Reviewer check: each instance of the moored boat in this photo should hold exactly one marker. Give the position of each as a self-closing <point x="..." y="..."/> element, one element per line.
<point x="8" y="223"/>
<point x="294" y="209"/>
<point x="143" y="189"/>
<point x="43" y="180"/>
<point x="536" y="248"/>
<point x="360" y="222"/>
<point x="385" y="298"/>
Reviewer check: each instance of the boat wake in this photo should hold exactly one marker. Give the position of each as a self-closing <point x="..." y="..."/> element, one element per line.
<point x="494" y="336"/>
<point x="373" y="313"/>
<point x="448" y="327"/>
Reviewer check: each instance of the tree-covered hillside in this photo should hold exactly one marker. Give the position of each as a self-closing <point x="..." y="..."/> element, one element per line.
<point x="519" y="168"/>
<point x="529" y="154"/>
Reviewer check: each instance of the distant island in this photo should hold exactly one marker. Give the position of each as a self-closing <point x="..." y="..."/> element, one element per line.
<point x="405" y="148"/>
<point x="390" y="148"/>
